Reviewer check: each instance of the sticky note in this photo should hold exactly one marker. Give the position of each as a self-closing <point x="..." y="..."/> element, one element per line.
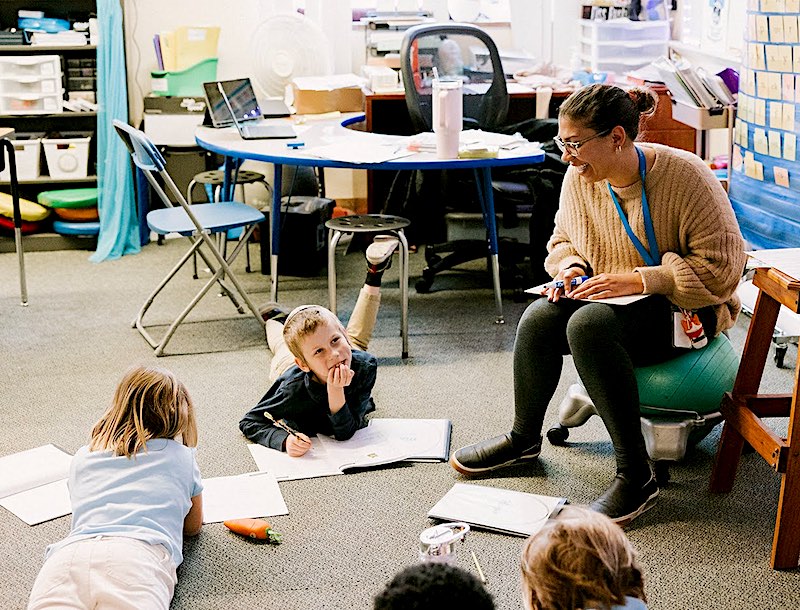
<point x="790" y="28"/>
<point x="775" y="115"/>
<point x="762" y="28"/>
<point x="772" y="52"/>
<point x="774" y="85"/>
<point x="737" y="158"/>
<point x="792" y="6"/>
<point x="781" y="176"/>
<point x="761" y="112"/>
<point x="790" y="146"/>
<point x="774" y="138"/>
<point x="759" y="170"/>
<point x="762" y="85"/>
<point x="788" y="87"/>
<point x="796" y="66"/>
<point x="760" y="143"/>
<point x="776" y="28"/>
<point x="785" y="52"/>
<point x="787" y="123"/>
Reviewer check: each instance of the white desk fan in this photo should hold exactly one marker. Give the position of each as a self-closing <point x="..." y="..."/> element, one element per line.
<point x="285" y="46"/>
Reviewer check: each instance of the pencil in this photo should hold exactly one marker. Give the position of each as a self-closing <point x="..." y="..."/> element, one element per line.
<point x="283" y="426"/>
<point x="477" y="565"/>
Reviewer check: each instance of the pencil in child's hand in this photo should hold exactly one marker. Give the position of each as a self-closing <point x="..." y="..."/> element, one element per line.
<point x="283" y="426"/>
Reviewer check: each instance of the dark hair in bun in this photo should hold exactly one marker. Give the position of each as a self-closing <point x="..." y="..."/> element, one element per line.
<point x="603" y="107"/>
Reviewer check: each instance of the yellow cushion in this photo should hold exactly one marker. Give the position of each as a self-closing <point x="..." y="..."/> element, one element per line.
<point x="29" y="210"/>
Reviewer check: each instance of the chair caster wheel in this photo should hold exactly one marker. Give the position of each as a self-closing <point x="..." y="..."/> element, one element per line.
<point x="661" y="470"/>
<point x="558" y="435"/>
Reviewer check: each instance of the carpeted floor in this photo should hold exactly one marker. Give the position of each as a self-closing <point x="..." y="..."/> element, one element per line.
<point x="345" y="536"/>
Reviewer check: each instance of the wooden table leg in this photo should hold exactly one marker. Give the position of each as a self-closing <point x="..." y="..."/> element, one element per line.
<point x="726" y="461"/>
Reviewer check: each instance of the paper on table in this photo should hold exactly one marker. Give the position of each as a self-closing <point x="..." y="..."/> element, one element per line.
<point x="503" y="510"/>
<point x="255" y="494"/>
<point x="785" y="260"/>
<point x="626" y="300"/>
<point x="327" y="457"/>
<point x="359" y="150"/>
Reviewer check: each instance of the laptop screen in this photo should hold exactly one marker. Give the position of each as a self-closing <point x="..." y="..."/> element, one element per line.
<point x="241" y="96"/>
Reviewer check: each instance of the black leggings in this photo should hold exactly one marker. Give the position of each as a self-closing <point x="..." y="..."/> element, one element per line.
<point x="606" y="342"/>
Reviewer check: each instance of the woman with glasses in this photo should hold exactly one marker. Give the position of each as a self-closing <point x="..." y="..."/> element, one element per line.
<point x="634" y="218"/>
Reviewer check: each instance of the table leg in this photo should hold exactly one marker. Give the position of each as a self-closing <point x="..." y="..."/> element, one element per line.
<point x="275" y="231"/>
<point x="486" y="196"/>
<point x="786" y="541"/>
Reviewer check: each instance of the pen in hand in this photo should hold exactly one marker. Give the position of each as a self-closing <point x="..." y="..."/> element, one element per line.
<point x="576" y="281"/>
<point x="283" y="426"/>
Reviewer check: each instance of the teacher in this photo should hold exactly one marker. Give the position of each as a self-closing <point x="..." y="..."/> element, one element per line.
<point x="633" y="218"/>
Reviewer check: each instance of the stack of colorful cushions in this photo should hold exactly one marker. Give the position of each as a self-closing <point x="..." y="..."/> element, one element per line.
<point x="32" y="214"/>
<point x="76" y="210"/>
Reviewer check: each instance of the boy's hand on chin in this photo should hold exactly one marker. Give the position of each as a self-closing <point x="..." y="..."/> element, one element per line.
<point x="340" y="376"/>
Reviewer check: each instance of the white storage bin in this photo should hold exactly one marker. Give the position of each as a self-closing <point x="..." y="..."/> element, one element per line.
<point x="644" y="51"/>
<point x="30" y="84"/>
<point x="30" y="65"/>
<point x="619" y="66"/>
<point x="31" y="103"/>
<point x="27" y="152"/>
<point x="68" y="157"/>
<point x="624" y="29"/>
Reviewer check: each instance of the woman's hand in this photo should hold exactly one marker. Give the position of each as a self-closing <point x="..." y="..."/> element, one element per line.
<point x="296" y="447"/>
<point x="607" y="285"/>
<point x="566" y="276"/>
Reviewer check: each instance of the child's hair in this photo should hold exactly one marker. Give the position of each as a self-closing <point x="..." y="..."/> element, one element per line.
<point x="580" y="559"/>
<point x="149" y="402"/>
<point x="303" y="321"/>
<point x="434" y="585"/>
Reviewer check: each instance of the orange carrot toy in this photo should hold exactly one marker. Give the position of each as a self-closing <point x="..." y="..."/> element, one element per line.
<point x="254" y="528"/>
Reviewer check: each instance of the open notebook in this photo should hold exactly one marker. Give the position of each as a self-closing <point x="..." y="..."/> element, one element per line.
<point x="33" y="484"/>
<point x="384" y="441"/>
<point x="501" y="510"/>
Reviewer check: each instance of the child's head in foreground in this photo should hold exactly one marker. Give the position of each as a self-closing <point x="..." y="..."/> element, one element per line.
<point x="424" y="586"/>
<point x="149" y="403"/>
<point x="317" y="340"/>
<point x="581" y="559"/>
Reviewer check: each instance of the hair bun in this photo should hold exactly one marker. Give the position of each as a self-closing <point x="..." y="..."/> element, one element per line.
<point x="644" y="99"/>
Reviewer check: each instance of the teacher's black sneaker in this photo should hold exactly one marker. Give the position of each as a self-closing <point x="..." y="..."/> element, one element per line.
<point x="623" y="501"/>
<point x="492" y="454"/>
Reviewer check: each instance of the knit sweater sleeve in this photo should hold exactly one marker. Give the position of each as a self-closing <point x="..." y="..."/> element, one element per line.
<point x="707" y="265"/>
<point x="562" y="252"/>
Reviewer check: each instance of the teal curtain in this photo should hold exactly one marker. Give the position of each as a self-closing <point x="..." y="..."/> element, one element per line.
<point x="119" y="223"/>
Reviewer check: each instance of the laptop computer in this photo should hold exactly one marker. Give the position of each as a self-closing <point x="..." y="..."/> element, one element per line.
<point x="234" y="102"/>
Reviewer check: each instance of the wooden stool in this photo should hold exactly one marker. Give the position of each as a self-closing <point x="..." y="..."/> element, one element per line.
<point x="743" y="410"/>
<point x="371" y="223"/>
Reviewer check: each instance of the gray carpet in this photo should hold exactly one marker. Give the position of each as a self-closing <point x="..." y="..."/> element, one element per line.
<point x="345" y="536"/>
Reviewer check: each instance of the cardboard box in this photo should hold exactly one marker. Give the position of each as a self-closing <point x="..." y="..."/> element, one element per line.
<point x="318" y="94"/>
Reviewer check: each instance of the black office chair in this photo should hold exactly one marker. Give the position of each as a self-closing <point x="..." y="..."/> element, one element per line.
<point x="469" y="52"/>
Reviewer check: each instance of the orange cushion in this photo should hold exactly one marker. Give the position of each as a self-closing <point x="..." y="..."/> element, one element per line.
<point x="77" y="214"/>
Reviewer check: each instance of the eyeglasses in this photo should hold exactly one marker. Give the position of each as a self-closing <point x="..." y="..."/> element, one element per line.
<point x="572" y="147"/>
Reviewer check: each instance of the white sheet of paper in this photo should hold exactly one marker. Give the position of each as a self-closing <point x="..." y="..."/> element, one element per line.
<point x="785" y="260"/>
<point x="358" y="150"/>
<point x="421" y="439"/>
<point x="31" y="468"/>
<point x="511" y="512"/>
<point x="41" y="503"/>
<point x="626" y="300"/>
<point x="251" y="495"/>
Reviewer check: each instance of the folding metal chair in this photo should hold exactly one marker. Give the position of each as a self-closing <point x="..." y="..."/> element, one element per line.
<point x="12" y="170"/>
<point x="198" y="223"/>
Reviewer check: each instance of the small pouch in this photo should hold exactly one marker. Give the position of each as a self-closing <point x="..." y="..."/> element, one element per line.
<point x="687" y="329"/>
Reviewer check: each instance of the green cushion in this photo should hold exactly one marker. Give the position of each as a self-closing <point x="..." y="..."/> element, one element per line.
<point x="69" y="198"/>
<point x="694" y="381"/>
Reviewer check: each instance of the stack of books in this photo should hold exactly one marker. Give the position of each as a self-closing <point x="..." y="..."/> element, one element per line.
<point x="693" y="86"/>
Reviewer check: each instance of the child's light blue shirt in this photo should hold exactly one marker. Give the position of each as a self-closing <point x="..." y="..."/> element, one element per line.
<point x="145" y="497"/>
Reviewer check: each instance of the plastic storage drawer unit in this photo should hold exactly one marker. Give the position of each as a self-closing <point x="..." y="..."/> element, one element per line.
<point x="30" y="65"/>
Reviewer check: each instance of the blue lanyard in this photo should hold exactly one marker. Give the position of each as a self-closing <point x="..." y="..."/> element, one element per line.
<point x="651" y="257"/>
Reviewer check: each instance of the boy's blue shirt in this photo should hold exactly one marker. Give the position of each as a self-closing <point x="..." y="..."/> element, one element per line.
<point x="303" y="403"/>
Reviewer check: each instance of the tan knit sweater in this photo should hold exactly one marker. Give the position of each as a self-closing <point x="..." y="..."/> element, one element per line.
<point x="701" y="248"/>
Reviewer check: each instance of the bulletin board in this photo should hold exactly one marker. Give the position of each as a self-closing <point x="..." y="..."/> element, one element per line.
<point x="765" y="177"/>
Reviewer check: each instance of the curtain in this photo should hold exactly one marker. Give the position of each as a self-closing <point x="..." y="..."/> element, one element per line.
<point x="119" y="223"/>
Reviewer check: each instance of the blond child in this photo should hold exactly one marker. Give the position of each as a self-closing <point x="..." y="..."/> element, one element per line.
<point x="136" y="491"/>
<point x="322" y="377"/>
<point x="581" y="560"/>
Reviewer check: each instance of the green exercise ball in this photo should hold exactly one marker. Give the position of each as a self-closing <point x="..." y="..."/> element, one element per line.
<point x="694" y="381"/>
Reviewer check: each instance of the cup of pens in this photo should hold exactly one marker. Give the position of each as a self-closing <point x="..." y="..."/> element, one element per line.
<point x="448" y="115"/>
